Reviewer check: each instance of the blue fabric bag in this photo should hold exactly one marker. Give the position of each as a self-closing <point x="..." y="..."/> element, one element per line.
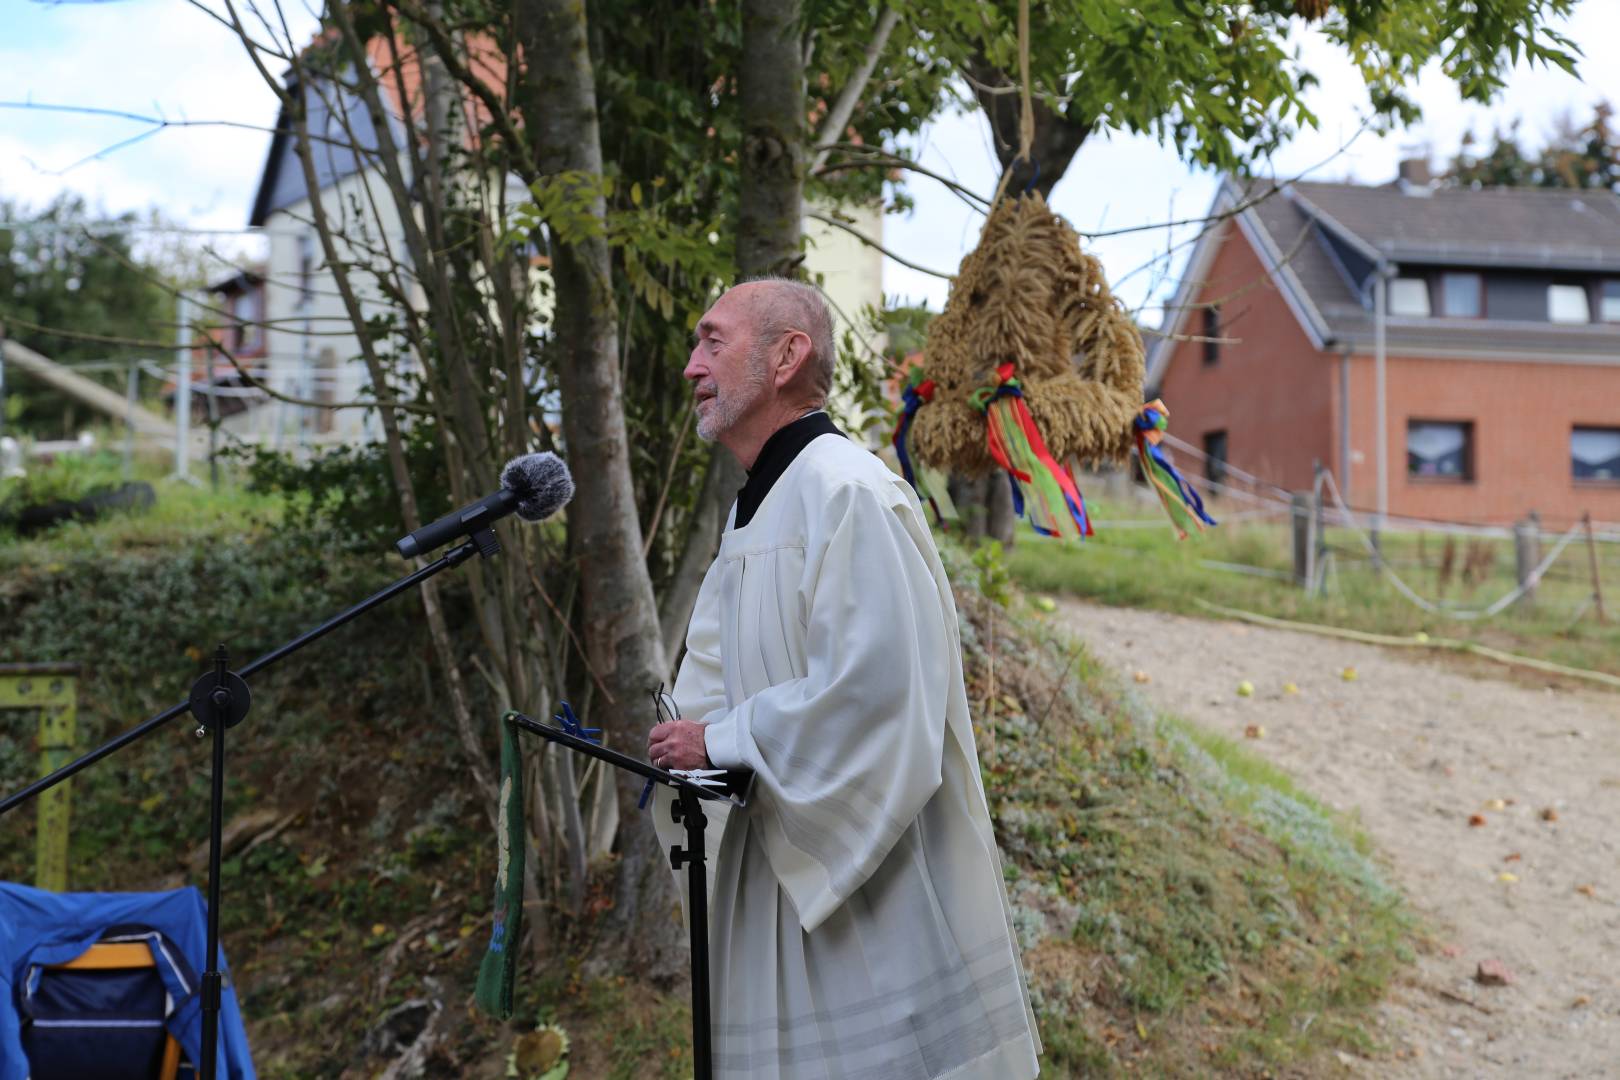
<point x="39" y="929"/>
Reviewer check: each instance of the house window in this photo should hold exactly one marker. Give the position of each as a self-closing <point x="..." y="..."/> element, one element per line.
<point x="1461" y="296"/>
<point x="1212" y="330"/>
<point x="1409" y="296"/>
<point x="249" y="322"/>
<point x="306" y="269"/>
<point x="1440" y="449"/>
<point x="1215" y="456"/>
<point x="1567" y="304"/>
<point x="1594" y="454"/>
<point x="1609" y="311"/>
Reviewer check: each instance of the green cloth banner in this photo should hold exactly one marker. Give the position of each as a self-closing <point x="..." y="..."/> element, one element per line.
<point x="498" y="971"/>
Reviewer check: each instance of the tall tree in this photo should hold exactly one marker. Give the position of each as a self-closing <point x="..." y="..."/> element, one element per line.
<point x="620" y="616"/>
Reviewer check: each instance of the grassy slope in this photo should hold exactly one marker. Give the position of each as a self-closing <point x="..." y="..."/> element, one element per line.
<point x="1183" y="909"/>
<point x="1148" y="567"/>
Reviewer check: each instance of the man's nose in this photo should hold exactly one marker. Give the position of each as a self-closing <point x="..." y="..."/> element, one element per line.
<point x="695" y="368"/>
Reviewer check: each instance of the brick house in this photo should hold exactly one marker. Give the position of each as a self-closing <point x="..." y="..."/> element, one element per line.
<point x="1501" y="344"/>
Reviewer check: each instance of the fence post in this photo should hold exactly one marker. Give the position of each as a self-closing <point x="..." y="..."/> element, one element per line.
<point x="1591" y="554"/>
<point x="1526" y="555"/>
<point x="1302" y="524"/>
<point x="1319" y="550"/>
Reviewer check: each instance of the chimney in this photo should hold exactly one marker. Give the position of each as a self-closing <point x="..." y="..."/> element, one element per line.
<point x="1414" y="173"/>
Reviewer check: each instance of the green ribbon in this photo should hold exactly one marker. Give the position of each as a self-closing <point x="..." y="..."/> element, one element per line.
<point x="497" y="972"/>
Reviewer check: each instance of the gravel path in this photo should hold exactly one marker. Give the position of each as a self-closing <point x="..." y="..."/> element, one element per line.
<point x="1413" y="748"/>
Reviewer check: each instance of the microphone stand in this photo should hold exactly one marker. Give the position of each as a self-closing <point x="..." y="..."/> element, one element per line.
<point x="687" y="810"/>
<point x="220" y="699"/>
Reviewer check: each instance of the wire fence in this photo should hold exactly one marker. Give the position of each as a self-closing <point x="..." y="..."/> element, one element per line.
<point x="1491" y="570"/>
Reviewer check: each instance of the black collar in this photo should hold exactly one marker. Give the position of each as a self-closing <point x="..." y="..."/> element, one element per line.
<point x="774" y="458"/>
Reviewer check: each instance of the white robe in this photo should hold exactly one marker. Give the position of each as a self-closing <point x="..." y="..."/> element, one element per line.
<point x="859" y="927"/>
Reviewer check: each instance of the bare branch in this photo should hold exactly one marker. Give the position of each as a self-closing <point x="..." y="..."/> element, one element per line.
<point x="883" y="159"/>
<point x="669" y="479"/>
<point x="871" y="243"/>
<point x="444" y="45"/>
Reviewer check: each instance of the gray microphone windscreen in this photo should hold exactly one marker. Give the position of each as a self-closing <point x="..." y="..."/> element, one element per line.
<point x="541" y="482"/>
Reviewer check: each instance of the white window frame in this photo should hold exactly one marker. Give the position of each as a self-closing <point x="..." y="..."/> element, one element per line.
<point x="1578" y="306"/>
<point x="1408" y="297"/>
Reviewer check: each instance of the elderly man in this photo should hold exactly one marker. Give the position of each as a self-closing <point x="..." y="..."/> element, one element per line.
<point x="859" y="923"/>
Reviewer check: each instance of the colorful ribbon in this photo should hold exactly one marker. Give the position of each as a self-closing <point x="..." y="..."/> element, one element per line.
<point x="1181" y="501"/>
<point x="918" y="392"/>
<point x="1047" y="489"/>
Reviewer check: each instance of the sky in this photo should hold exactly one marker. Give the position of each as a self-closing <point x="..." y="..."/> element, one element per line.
<point x="168" y="59"/>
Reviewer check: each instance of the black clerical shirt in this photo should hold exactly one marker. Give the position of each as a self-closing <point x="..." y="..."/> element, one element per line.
<point x="774" y="458"/>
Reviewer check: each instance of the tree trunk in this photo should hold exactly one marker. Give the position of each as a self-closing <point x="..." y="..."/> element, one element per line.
<point x="622" y="637"/>
<point x="771" y="86"/>
<point x="1000" y="521"/>
<point x="1057" y="136"/>
<point x="769" y="238"/>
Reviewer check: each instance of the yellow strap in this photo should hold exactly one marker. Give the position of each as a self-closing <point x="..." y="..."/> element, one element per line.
<point x="108" y="955"/>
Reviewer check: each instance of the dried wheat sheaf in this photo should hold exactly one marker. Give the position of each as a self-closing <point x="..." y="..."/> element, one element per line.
<point x="1029" y="295"/>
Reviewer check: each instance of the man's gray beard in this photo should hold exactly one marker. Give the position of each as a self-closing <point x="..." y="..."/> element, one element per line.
<point x="726" y="409"/>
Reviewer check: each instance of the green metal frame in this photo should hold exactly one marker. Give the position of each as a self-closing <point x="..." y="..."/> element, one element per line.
<point x="52" y="690"/>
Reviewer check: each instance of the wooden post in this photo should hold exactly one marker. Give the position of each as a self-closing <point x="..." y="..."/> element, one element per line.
<point x="1591" y="553"/>
<point x="1526" y="556"/>
<point x="52" y="691"/>
<point x="1319" y="524"/>
<point x="1303" y="521"/>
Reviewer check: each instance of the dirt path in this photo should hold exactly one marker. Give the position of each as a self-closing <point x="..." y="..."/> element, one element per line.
<point x="1412" y="747"/>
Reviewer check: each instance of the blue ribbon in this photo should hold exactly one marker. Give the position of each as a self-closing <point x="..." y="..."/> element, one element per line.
<point x="1189" y="494"/>
<point x="913" y="401"/>
<point x="571" y="726"/>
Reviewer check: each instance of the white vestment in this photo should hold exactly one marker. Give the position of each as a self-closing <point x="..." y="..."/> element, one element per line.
<point x="859" y="927"/>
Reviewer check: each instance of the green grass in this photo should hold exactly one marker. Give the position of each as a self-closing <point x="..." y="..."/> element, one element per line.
<point x="182" y="512"/>
<point x="1150" y="568"/>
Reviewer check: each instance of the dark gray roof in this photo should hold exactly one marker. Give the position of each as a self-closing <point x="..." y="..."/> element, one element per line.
<point x="1530" y="228"/>
<point x="1325" y="238"/>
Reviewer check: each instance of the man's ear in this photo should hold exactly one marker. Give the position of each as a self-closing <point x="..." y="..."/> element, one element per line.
<point x="794" y="359"/>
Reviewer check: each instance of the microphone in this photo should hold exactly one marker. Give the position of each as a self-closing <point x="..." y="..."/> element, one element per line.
<point x="535" y="486"/>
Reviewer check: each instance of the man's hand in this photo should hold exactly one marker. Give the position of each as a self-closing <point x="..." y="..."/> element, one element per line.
<point x="677" y="744"/>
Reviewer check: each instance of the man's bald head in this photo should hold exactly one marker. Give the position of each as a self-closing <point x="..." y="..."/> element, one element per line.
<point x="779" y="306"/>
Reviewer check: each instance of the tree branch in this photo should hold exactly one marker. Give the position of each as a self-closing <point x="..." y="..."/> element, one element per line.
<point x="500" y="111"/>
<point x="871" y="243"/>
<point x="843" y="108"/>
<point x="885" y="160"/>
